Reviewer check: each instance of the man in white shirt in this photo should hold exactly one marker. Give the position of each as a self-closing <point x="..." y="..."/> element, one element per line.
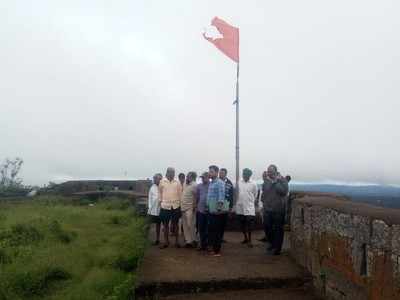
<point x="245" y="205"/>
<point x="154" y="206"/>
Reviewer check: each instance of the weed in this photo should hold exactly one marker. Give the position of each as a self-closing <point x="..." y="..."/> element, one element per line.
<point x="54" y="248"/>
<point x="4" y="258"/>
<point x="126" y="263"/>
<point x="119" y="220"/>
<point x="21" y="234"/>
<point x="61" y="234"/>
<point x="115" y="204"/>
<point x="36" y="283"/>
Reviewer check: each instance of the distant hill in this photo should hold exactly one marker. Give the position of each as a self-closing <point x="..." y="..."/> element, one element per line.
<point x="380" y="195"/>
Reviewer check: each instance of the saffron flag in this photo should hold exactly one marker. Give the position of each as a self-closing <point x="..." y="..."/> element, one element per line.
<point x="229" y="42"/>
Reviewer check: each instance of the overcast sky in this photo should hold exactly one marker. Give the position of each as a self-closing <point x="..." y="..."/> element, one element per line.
<point x="114" y="89"/>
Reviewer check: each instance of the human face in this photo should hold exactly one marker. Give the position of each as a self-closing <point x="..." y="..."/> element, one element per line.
<point x="170" y="174"/>
<point x="265" y="175"/>
<point x="156" y="179"/>
<point x="213" y="174"/>
<point x="271" y="172"/>
<point x="246" y="177"/>
<point x="205" y="179"/>
<point x="189" y="178"/>
<point x="222" y="174"/>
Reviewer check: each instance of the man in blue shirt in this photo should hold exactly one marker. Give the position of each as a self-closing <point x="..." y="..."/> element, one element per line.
<point x="218" y="207"/>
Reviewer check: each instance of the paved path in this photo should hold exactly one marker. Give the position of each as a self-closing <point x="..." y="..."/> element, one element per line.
<point x="174" y="271"/>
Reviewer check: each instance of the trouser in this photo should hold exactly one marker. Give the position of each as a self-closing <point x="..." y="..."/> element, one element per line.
<point x="267" y="231"/>
<point x="274" y="223"/>
<point x="246" y="222"/>
<point x="216" y="230"/>
<point x="188" y="223"/>
<point x="202" y="223"/>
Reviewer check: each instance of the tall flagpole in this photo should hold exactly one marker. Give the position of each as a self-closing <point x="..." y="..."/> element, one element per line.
<point x="237" y="133"/>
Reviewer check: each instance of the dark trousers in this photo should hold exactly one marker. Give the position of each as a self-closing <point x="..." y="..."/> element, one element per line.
<point x="267" y="230"/>
<point x="216" y="228"/>
<point x="274" y="223"/>
<point x="202" y="228"/>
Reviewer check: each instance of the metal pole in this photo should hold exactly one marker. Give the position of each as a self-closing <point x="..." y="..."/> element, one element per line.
<point x="237" y="133"/>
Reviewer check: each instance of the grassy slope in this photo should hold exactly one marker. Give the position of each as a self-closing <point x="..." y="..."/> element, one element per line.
<point x="62" y="251"/>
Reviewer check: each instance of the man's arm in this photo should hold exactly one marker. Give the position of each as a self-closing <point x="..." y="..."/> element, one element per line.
<point x="263" y="193"/>
<point x="221" y="191"/>
<point x="255" y="191"/>
<point x="160" y="192"/>
<point x="180" y="191"/>
<point x="194" y="193"/>
<point x="197" y="197"/>
<point x="282" y="187"/>
<point x="221" y="195"/>
<point x="149" y="198"/>
<point x="230" y="195"/>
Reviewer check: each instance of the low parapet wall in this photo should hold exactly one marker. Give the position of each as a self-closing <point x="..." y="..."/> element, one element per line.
<point x="351" y="249"/>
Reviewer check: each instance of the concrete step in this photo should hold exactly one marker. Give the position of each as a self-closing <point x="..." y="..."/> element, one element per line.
<point x="269" y="294"/>
<point x="186" y="271"/>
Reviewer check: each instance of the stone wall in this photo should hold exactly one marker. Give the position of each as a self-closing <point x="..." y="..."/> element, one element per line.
<point x="352" y="250"/>
<point x="77" y="186"/>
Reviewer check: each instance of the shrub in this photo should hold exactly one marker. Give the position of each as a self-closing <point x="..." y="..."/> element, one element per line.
<point x="126" y="263"/>
<point x="61" y="234"/>
<point x="35" y="283"/>
<point x="119" y="220"/>
<point x="21" y="234"/>
<point x="4" y="258"/>
<point x="117" y="204"/>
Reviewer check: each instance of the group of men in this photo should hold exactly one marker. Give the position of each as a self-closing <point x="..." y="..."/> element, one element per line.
<point x="203" y="209"/>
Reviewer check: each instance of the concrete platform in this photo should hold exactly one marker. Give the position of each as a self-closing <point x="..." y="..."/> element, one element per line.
<point x="179" y="271"/>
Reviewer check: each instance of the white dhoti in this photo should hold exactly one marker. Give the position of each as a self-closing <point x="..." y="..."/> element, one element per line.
<point x="189" y="225"/>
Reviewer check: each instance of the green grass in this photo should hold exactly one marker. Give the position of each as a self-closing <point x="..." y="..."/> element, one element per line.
<point x="51" y="249"/>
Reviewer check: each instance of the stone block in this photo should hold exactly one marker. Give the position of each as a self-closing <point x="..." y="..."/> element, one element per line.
<point x="381" y="233"/>
<point x="396" y="239"/>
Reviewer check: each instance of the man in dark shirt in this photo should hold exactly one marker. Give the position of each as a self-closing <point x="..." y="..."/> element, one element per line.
<point x="275" y="189"/>
<point x="228" y="186"/>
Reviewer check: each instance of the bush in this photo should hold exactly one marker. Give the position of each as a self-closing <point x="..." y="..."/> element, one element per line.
<point x="61" y="234"/>
<point x="126" y="263"/>
<point x="35" y="283"/>
<point x="67" y="251"/>
<point x="119" y="220"/>
<point x="21" y="234"/>
<point x="117" y="204"/>
<point x="4" y="258"/>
